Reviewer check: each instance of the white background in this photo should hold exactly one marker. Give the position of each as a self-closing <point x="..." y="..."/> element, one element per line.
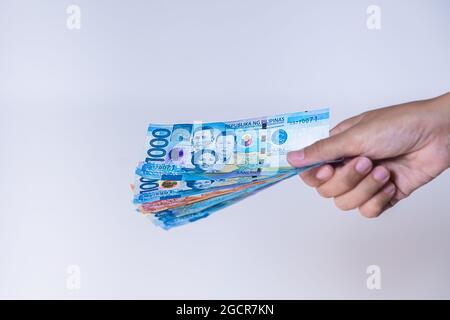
<point x="74" y="107"/>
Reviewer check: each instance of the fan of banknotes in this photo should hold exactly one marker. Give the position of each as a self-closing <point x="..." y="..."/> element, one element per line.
<point x="193" y="170"/>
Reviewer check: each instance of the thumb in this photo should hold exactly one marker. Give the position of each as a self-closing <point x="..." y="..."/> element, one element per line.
<point x="328" y="149"/>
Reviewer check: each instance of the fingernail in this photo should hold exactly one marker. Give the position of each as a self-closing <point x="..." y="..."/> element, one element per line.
<point x="363" y="165"/>
<point x="380" y="174"/>
<point x="324" y="173"/>
<point x="295" y="158"/>
<point x="389" y="188"/>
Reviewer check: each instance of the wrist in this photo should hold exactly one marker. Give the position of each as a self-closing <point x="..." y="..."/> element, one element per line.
<point x="440" y="107"/>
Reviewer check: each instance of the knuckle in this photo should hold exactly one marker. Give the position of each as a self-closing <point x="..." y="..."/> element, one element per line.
<point x="347" y="182"/>
<point x="338" y="129"/>
<point x="343" y="205"/>
<point x="355" y="143"/>
<point x="317" y="148"/>
<point x="307" y="178"/>
<point x="324" y="192"/>
<point x="370" y="211"/>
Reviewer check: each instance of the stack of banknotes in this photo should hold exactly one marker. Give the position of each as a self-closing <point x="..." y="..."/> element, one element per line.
<point x="193" y="170"/>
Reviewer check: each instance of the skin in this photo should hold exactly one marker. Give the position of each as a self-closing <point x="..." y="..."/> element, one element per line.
<point x="389" y="153"/>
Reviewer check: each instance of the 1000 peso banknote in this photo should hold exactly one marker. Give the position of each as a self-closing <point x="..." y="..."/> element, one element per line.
<point x="170" y="203"/>
<point x="149" y="190"/>
<point x="228" y="149"/>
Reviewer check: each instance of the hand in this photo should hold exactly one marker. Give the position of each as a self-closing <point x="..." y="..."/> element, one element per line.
<point x="389" y="153"/>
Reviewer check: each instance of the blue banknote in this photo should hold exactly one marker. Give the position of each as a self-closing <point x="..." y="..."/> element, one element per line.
<point x="249" y="147"/>
<point x="174" y="218"/>
<point x="179" y="216"/>
<point x="193" y="170"/>
<point x="156" y="206"/>
<point x="148" y="189"/>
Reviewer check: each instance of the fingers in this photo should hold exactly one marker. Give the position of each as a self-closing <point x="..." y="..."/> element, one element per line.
<point x="355" y="184"/>
<point x="364" y="191"/>
<point x="317" y="176"/>
<point x="379" y="202"/>
<point x="345" y="178"/>
<point x="337" y="146"/>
